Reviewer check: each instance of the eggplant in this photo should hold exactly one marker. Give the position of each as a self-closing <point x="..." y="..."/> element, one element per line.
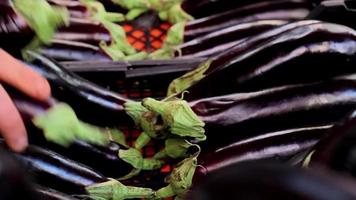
<point x="14" y="182"/>
<point x="104" y="159"/>
<point x="271" y="181"/>
<point x="336" y="150"/>
<point x="266" y="10"/>
<point x="219" y="60"/>
<point x="44" y="193"/>
<point x="15" y="33"/>
<point x="85" y="31"/>
<point x="58" y="172"/>
<point x="204" y="8"/>
<point x="91" y="102"/>
<point x="66" y="50"/>
<point x="211" y="52"/>
<point x="277" y="146"/>
<point x="282" y="60"/>
<point x="227" y="35"/>
<point x="238" y="116"/>
<point x="341" y="12"/>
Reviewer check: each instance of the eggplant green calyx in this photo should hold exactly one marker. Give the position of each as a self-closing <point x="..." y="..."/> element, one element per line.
<point x="180" y="180"/>
<point x="174" y="148"/>
<point x="99" y="13"/>
<point x="61" y="125"/>
<point x="115" y="190"/>
<point x="134" y="158"/>
<point x="146" y="120"/>
<point x="169" y="10"/>
<point x="43" y="18"/>
<point x="117" y="136"/>
<point x="184" y="82"/>
<point x="178" y="116"/>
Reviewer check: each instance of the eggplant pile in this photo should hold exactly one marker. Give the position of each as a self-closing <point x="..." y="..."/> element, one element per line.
<point x="252" y="96"/>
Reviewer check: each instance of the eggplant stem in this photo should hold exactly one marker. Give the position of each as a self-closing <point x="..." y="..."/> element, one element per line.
<point x="142" y="140"/>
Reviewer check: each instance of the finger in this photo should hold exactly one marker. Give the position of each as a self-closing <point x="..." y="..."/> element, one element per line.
<point x="22" y="77"/>
<point x="11" y="125"/>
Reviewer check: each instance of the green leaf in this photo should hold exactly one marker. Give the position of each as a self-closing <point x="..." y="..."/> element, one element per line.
<point x="61" y="125"/>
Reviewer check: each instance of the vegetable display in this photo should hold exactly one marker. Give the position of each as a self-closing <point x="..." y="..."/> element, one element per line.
<point x="184" y="99"/>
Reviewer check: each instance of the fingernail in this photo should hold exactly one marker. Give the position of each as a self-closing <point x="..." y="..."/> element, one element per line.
<point x="20" y="144"/>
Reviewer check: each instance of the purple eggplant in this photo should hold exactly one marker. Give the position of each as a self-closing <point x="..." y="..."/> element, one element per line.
<point x="271" y="181"/>
<point x="242" y="115"/>
<point x="227" y="35"/>
<point x="104" y="159"/>
<point x="58" y="172"/>
<point x="204" y="8"/>
<point x="44" y="193"/>
<point x="84" y="96"/>
<point x="219" y="60"/>
<point x="67" y="50"/>
<point x="304" y="54"/>
<point x="267" y="10"/>
<point x="15" y="33"/>
<point x="336" y="150"/>
<point x="15" y="183"/>
<point x="211" y="52"/>
<point x="341" y="12"/>
<point x="276" y="146"/>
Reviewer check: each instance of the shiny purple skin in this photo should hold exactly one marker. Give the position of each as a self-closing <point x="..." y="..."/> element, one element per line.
<point x="58" y="172"/>
<point x="228" y="35"/>
<point x="92" y="103"/>
<point x="304" y="54"/>
<point x="268" y="10"/>
<point x="243" y="115"/>
<point x="86" y="31"/>
<point x="50" y="194"/>
<point x="336" y="151"/>
<point x="336" y="12"/>
<point x="204" y="8"/>
<point x="275" y="146"/>
<point x="273" y="181"/>
<point x="208" y="53"/>
<point x="14" y="31"/>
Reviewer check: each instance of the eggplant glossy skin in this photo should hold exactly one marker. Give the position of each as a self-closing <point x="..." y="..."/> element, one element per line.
<point x="336" y="151"/>
<point x="14" y="181"/>
<point x="50" y="194"/>
<point x="91" y="102"/>
<point x="335" y="12"/>
<point x="302" y="55"/>
<point x="104" y="160"/>
<point x="14" y="31"/>
<point x="276" y="146"/>
<point x="68" y="54"/>
<point x="82" y="31"/>
<point x="283" y="10"/>
<point x="271" y="181"/>
<point x="228" y="35"/>
<point x="238" y="116"/>
<point x="58" y="172"/>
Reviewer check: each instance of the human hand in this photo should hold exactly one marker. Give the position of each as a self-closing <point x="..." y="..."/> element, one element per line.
<point x="17" y="75"/>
